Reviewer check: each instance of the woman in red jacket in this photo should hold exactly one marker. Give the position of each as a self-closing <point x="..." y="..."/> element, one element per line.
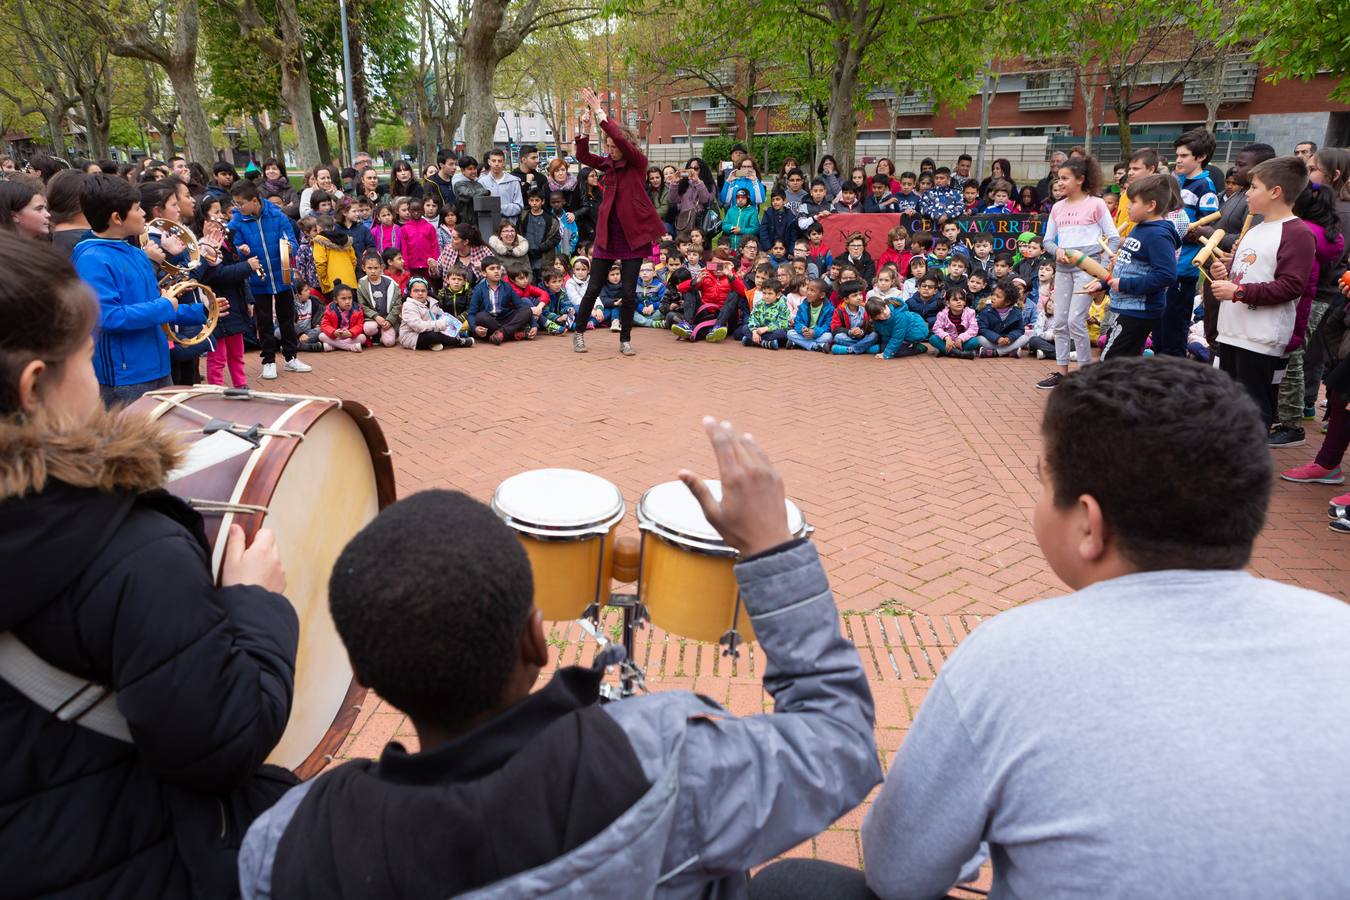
<point x="627" y="223"/>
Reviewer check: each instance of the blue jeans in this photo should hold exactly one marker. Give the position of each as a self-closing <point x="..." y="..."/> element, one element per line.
<point x="816" y="343"/>
<point x="124" y="394"/>
<point x="865" y="344"/>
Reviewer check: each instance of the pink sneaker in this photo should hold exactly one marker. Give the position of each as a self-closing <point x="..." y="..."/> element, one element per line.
<point x="1343" y="501"/>
<point x="1312" y="473"/>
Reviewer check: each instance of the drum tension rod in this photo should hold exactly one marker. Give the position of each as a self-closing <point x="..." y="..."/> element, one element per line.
<point x="250" y="434"/>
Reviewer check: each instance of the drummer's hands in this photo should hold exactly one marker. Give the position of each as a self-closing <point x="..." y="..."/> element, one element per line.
<point x="258" y="563"/>
<point x="752" y="515"/>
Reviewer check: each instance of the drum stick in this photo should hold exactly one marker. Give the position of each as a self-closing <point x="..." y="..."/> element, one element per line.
<point x="1089" y="265"/>
<point x="1202" y="257"/>
<point x="1106" y="248"/>
<point x="1246" y="223"/>
<point x="1205" y="220"/>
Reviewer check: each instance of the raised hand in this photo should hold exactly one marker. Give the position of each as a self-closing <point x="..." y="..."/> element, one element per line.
<point x="752" y="514"/>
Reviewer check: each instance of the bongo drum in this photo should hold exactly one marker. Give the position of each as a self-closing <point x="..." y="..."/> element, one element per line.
<point x="687" y="582"/>
<point x="314" y="470"/>
<point x="565" y="520"/>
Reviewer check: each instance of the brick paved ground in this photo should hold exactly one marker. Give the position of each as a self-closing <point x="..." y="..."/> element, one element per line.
<point x="918" y="475"/>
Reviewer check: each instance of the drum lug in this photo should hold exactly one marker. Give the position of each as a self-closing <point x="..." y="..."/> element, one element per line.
<point x="237" y="393"/>
<point x="249" y="434"/>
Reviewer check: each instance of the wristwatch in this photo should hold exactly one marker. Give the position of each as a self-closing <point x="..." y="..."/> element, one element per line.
<point x="1240" y="294"/>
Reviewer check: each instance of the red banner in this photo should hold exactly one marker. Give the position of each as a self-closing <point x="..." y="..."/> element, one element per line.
<point x="875" y="226"/>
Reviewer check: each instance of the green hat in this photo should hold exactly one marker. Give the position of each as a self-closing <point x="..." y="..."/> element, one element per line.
<point x="1028" y="236"/>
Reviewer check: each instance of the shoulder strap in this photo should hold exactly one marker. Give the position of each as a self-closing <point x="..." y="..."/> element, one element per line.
<point x="69" y="698"/>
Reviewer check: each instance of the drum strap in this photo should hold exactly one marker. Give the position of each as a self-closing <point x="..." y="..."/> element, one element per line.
<point x="68" y="697"/>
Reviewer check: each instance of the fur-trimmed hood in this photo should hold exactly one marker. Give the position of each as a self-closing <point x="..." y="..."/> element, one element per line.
<point x="110" y="452"/>
<point x="65" y="491"/>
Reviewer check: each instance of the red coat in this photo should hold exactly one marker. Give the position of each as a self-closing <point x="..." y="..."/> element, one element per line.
<point x="332" y="320"/>
<point x="713" y="290"/>
<point x="625" y="193"/>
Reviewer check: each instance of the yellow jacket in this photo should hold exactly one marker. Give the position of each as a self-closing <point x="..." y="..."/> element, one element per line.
<point x="1123" y="223"/>
<point x="334" y="263"/>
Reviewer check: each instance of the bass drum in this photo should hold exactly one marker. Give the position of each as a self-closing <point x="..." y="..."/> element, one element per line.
<point x="258" y="460"/>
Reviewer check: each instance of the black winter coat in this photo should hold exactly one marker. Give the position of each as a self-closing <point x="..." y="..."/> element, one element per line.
<point x="229" y="279"/>
<point x="108" y="579"/>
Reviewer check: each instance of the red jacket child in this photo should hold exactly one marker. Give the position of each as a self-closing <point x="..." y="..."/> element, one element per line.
<point x="333" y="318"/>
<point x="713" y="290"/>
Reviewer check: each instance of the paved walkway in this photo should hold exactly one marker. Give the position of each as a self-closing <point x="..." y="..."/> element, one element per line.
<point x="917" y="474"/>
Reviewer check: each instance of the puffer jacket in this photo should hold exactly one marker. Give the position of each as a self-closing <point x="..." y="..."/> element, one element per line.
<point x="110" y="581"/>
<point x="417" y="318"/>
<point x="681" y="796"/>
<point x="263" y="234"/>
<point x="335" y="260"/>
<point x="713" y="290"/>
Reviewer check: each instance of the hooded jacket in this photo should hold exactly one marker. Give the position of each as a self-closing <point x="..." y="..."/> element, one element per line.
<point x="129" y="346"/>
<point x="335" y="260"/>
<point x="1146" y="265"/>
<point x="109" y="579"/>
<point x="665" y="795"/>
<point x="899" y="328"/>
<point x="507" y="189"/>
<point x="263" y="234"/>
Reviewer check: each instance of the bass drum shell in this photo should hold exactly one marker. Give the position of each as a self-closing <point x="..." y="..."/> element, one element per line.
<point x="318" y="492"/>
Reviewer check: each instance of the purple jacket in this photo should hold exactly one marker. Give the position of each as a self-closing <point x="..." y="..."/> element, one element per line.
<point x="943" y="328"/>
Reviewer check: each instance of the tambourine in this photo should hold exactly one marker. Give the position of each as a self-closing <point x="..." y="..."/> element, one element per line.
<point x="184" y="234"/>
<point x="212" y="312"/>
<point x="285" y="261"/>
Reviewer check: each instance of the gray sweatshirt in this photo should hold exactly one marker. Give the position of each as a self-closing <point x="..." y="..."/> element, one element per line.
<point x="1163" y="734"/>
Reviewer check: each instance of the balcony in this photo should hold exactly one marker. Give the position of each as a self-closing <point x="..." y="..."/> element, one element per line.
<point x="914" y="105"/>
<point x="721" y="115"/>
<point x="1236" y="82"/>
<point x="1047" y="90"/>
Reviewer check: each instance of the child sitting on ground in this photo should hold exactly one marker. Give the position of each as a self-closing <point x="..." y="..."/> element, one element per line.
<point x="955" y="329"/>
<point x="956" y="273"/>
<point x="941" y="255"/>
<point x="380" y="301"/>
<point x="1097" y="309"/>
<point x="929" y="300"/>
<point x="982" y="253"/>
<point x="496" y="311"/>
<point x="769" y="319"/>
<point x="899" y="332"/>
<point x="977" y="289"/>
<point x="343" y="325"/>
<point x="454" y="295"/>
<point x="558" y="314"/>
<point x="650" y="293"/>
<point x="852" y="329"/>
<point x="534" y="296"/>
<point x="611" y="296"/>
<point x="1042" y="341"/>
<point x="393" y="267"/>
<point x="575" y="290"/>
<point x="423" y="325"/>
<point x="1001" y="331"/>
<point x="811" y="326"/>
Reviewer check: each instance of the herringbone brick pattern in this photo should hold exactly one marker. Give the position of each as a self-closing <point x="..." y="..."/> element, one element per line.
<point x="918" y="475"/>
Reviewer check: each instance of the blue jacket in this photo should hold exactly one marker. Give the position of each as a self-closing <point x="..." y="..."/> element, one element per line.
<point x="993" y="326"/>
<point x="929" y="309"/>
<point x="1198" y="198"/>
<point x="1146" y="267"/>
<point x="900" y="327"/>
<point x="362" y="240"/>
<point x="263" y="235"/>
<point x="777" y="225"/>
<point x="508" y="301"/>
<point x="803" y="318"/>
<point x="130" y="347"/>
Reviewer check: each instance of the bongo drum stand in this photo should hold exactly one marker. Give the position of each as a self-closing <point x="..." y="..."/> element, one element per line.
<point x="627" y="565"/>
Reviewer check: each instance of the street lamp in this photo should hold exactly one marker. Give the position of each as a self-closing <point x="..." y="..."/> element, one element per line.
<point x="501" y="114"/>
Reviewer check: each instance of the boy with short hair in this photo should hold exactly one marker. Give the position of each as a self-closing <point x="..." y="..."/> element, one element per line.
<point x="496" y="311"/>
<point x="899" y="332"/>
<point x="928" y="299"/>
<point x="541" y="230"/>
<point x="651" y="293"/>
<point x="1260" y="285"/>
<point x="517" y="793"/>
<point x="956" y="272"/>
<point x="1003" y="264"/>
<point x="769" y="319"/>
<point x="455" y="295"/>
<point x="1141" y="163"/>
<point x="811" y="327"/>
<point x="1030" y="248"/>
<point x="131" y="355"/>
<point x="851" y="326"/>
<point x="938" y="259"/>
<point x="952" y="232"/>
<point x="262" y="227"/>
<point x="942" y="201"/>
<point x="1198" y="198"/>
<point x="970" y="195"/>
<point x="982" y="253"/>
<point x="777" y="223"/>
<point x="816" y="208"/>
<point x="978" y="286"/>
<point x="880" y="199"/>
<point x="820" y="254"/>
<point x="848" y="201"/>
<point x="907" y="199"/>
<point x="1145" y="267"/>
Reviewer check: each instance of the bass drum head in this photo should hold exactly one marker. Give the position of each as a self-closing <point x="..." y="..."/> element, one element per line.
<point x="326" y="494"/>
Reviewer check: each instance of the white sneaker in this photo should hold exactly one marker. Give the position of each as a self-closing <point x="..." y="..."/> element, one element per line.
<point x="1073" y="356"/>
<point x="295" y="365"/>
<point x="615" y="325"/>
<point x="269" y="372"/>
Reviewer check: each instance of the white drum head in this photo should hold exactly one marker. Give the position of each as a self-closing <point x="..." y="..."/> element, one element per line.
<point x="558" y="503"/>
<point x="671" y="511"/>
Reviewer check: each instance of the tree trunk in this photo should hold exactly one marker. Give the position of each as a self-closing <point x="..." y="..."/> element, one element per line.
<point x="987" y="91"/>
<point x="196" y="128"/>
<point x="96" y="125"/>
<point x="55" y="133"/>
<point x="1089" y="114"/>
<point x="894" y="109"/>
<point x="480" y="118"/>
<point x="323" y="150"/>
<point x="842" y="131"/>
<point x="166" y="142"/>
<point x="360" y="99"/>
<point x="1123" y="127"/>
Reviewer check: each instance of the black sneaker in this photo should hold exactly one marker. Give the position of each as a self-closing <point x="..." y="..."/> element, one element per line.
<point x="1341" y="526"/>
<point x="1051" y="381"/>
<point x="1286" y="436"/>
